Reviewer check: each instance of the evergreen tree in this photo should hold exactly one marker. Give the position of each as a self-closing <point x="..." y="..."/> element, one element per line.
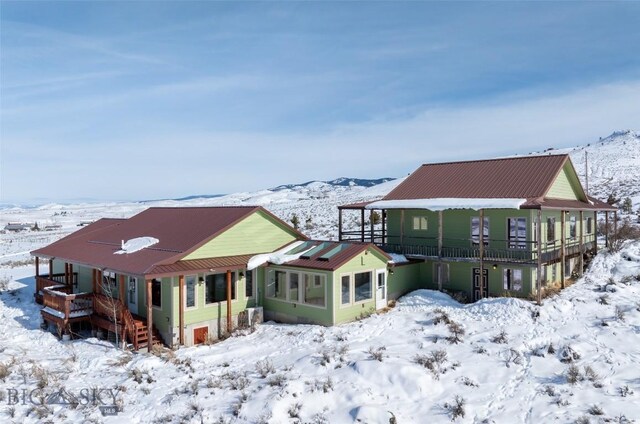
<point x="295" y="221"/>
<point x="627" y="205"/>
<point x="612" y="199"/>
<point x="375" y="217"/>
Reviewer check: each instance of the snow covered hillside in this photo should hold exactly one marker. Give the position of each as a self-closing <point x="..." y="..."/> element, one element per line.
<point x="429" y="359"/>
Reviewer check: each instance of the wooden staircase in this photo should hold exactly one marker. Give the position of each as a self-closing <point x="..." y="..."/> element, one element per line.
<point x="140" y="336"/>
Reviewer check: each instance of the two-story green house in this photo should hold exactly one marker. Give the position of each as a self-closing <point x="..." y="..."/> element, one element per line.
<point x="494" y="227"/>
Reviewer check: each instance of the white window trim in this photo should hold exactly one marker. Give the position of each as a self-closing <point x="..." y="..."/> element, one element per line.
<point x="222" y="302"/>
<point x="352" y="288"/>
<point x="350" y="303"/>
<point x="420" y="219"/>
<point x="517" y="239"/>
<point x="195" y="295"/>
<point x="300" y="301"/>
<point x="253" y="280"/>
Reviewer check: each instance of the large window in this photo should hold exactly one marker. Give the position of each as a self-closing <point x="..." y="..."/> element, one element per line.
<point x="314" y="289"/>
<point x="294" y="286"/>
<point x="551" y="230"/>
<point x="190" y="291"/>
<point x="216" y="287"/>
<point x="512" y="279"/>
<point x="277" y="284"/>
<point x="156" y="293"/>
<point x="419" y="222"/>
<point x="345" y="289"/>
<point x="362" y="286"/>
<point x="297" y="287"/>
<point x="475" y="231"/>
<point x="248" y="283"/>
<point x="572" y="227"/>
<point x="517" y="233"/>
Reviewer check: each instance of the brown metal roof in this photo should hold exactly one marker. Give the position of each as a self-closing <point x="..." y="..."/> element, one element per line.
<point x="358" y="205"/>
<point x="561" y="204"/>
<point x="516" y="178"/>
<point x="351" y="249"/>
<point x="179" y="231"/>
<point x="195" y="266"/>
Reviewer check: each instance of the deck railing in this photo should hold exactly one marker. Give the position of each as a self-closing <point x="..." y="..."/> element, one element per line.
<point x="68" y="305"/>
<point x="44" y="281"/>
<point x="114" y="309"/>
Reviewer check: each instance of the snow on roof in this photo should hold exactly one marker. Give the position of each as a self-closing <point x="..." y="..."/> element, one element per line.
<point x="136" y="244"/>
<point x="397" y="259"/>
<point x="440" y="204"/>
<point x="278" y="257"/>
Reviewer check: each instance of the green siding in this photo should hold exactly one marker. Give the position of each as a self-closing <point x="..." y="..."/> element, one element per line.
<point x="405" y="278"/>
<point x="461" y="279"/>
<point x="566" y="185"/>
<point x="85" y="279"/>
<point x="257" y="233"/>
<point x="361" y="263"/>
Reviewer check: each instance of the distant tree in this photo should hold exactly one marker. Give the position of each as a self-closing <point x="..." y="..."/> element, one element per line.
<point x="612" y="199"/>
<point x="295" y="221"/>
<point x="308" y="224"/>
<point x="627" y="206"/>
<point x="35" y="227"/>
<point x="375" y="217"/>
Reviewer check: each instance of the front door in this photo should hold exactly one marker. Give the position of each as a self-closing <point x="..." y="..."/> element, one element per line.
<point x="132" y="295"/>
<point x="381" y="291"/>
<point x="476" y="283"/>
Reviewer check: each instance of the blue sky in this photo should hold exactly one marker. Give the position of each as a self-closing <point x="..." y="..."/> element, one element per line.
<point x="140" y="100"/>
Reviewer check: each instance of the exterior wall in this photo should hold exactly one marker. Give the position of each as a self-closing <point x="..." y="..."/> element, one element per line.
<point x="85" y="279"/>
<point x="406" y="278"/>
<point x="371" y="261"/>
<point x="161" y="316"/>
<point x="214" y="315"/>
<point x="566" y="185"/>
<point x="257" y="233"/>
<point x="294" y="312"/>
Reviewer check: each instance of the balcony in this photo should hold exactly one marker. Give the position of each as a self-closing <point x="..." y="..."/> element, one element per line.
<point x="45" y="281"/>
<point x="61" y="307"/>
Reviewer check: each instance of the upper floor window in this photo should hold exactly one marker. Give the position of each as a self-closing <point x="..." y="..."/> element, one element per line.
<point x="419" y="222"/>
<point x="517" y="233"/>
<point x="475" y="231"/>
<point x="572" y="228"/>
<point x="589" y="225"/>
<point x="551" y="229"/>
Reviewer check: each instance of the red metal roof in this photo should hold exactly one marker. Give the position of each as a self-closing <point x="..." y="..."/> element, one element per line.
<point x="195" y="266"/>
<point x="179" y="231"/>
<point x="350" y="250"/>
<point x="516" y="178"/>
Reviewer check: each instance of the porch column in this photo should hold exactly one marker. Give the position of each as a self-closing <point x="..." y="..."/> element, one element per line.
<point x="581" y="241"/>
<point x="606" y="229"/>
<point x="37" y="266"/>
<point x="94" y="280"/>
<point x="371" y="222"/>
<point x="181" y="308"/>
<point x="439" y="234"/>
<point x="362" y="224"/>
<point x="50" y="269"/>
<point x="594" y="229"/>
<point x="121" y="292"/>
<point x="384" y="226"/>
<point x="481" y="280"/>
<point x="71" y="279"/>
<point x="539" y="271"/>
<point x="229" y="300"/>
<point x="149" y="316"/>
<point x="401" y="230"/>
<point x="99" y="276"/>
<point x="615" y="225"/>
<point x="339" y="224"/>
<point x="66" y="273"/>
<point x="563" y="245"/>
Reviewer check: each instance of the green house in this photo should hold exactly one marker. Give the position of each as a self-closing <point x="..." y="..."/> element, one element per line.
<point x="511" y="226"/>
<point x="179" y="276"/>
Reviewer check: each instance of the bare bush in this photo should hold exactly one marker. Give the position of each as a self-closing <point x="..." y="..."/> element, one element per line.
<point x="620" y="315"/>
<point x="236" y="380"/>
<point x="434" y="362"/>
<point x="455" y="333"/>
<point x="5" y="371"/>
<point x="456" y="408"/>
<point x="595" y="410"/>
<point x="573" y="375"/>
<point x="441" y="318"/>
<point x="294" y="410"/>
<point x="550" y="390"/>
<point x="377" y="353"/>
<point x="513" y="356"/>
<point x="320" y="385"/>
<point x="264" y="368"/>
<point x="277" y="380"/>
<point x="625" y="232"/>
<point x="625" y="391"/>
<point x="604" y="299"/>
<point x="468" y="382"/>
<point x="568" y="354"/>
<point x="591" y="375"/>
<point x="480" y="350"/>
<point x="500" y="338"/>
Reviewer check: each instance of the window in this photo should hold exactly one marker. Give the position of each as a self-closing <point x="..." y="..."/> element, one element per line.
<point x="314" y="289"/>
<point x="345" y="289"/>
<point x="589" y="225"/>
<point x="133" y="293"/>
<point x="567" y="267"/>
<point x="419" y="222"/>
<point x="248" y="283"/>
<point x="512" y="279"/>
<point x="294" y="279"/>
<point x="440" y="273"/>
<point x="277" y="284"/>
<point x="109" y="283"/>
<point x="517" y="233"/>
<point x="362" y="286"/>
<point x="551" y="230"/>
<point x="190" y="291"/>
<point x="572" y="227"/>
<point x="216" y="288"/>
<point x="156" y="293"/>
<point x="475" y="231"/>
<point x="554" y="273"/>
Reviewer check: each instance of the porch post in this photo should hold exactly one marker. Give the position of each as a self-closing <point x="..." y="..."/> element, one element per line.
<point x="181" y="308"/>
<point x="121" y="290"/>
<point x="99" y="276"/>
<point x="339" y="224"/>
<point x="594" y="229"/>
<point x="606" y="229"/>
<point x="563" y="245"/>
<point x="229" y="300"/>
<point x="149" y="317"/>
<point x="37" y="266"/>
<point x="615" y="225"/>
<point x="481" y="279"/>
<point x="50" y="269"/>
<point x="66" y="273"/>
<point x="539" y="271"/>
<point x="384" y="226"/>
<point x="94" y="279"/>
<point x="362" y="224"/>
<point x="401" y="230"/>
<point x="371" y="222"/>
<point x="439" y="234"/>
<point x="581" y="243"/>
